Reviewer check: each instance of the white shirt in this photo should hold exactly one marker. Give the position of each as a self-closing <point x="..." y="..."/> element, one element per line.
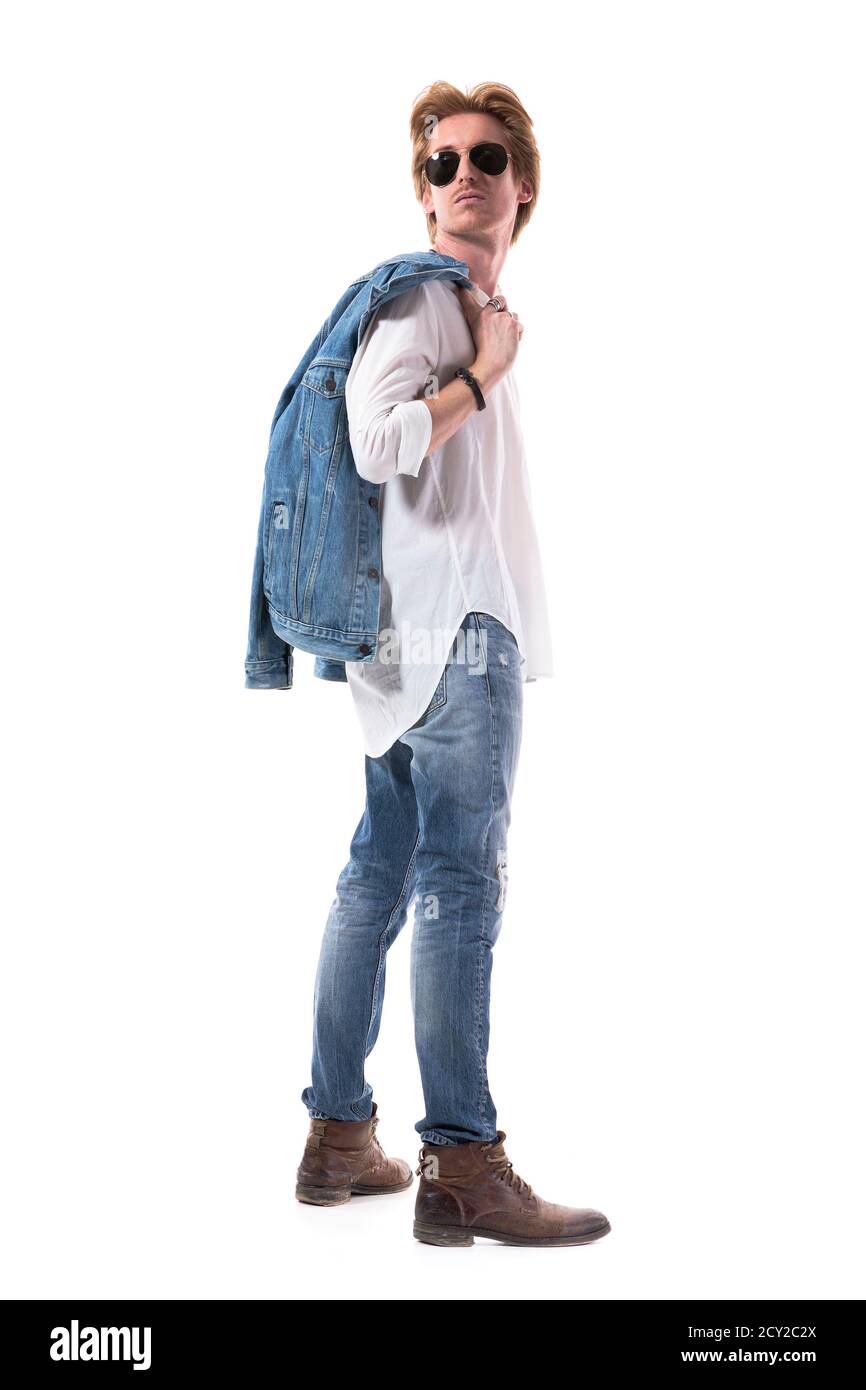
<point x="457" y="527"/>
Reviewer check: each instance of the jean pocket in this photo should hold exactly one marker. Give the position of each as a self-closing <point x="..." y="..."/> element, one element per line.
<point x="440" y="695"/>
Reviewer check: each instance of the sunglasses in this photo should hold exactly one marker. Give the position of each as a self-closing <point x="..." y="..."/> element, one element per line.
<point x="441" y="167"/>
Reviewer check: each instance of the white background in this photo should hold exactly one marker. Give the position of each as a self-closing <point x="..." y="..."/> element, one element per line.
<point x="677" y="988"/>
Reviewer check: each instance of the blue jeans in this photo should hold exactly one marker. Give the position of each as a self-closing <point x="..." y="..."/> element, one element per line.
<point x="435" y="825"/>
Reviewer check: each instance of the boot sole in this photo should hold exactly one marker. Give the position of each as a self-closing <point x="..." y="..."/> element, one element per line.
<point x="336" y="1196"/>
<point x="457" y="1235"/>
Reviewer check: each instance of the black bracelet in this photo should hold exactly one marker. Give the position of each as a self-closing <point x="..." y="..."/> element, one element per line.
<point x="465" y="375"/>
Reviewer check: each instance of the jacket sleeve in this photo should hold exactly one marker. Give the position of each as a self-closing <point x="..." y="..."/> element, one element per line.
<point x="390" y="424"/>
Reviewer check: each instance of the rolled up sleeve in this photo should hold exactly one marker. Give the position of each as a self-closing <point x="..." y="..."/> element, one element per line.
<point x="390" y="424"/>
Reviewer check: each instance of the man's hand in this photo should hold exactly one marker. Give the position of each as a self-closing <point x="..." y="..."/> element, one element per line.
<point x="496" y="334"/>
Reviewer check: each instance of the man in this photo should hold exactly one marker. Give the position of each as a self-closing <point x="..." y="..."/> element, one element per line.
<point x="464" y="623"/>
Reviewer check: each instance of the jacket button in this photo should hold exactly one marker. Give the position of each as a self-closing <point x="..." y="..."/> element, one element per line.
<point x="330" y="383"/>
<point x="372" y="574"/>
<point x="372" y="501"/>
<point x="365" y="648"/>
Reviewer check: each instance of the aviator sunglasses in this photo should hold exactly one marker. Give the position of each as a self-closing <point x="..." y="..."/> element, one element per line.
<point x="442" y="166"/>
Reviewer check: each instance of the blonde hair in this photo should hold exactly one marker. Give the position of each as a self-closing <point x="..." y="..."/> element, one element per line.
<point x="441" y="99"/>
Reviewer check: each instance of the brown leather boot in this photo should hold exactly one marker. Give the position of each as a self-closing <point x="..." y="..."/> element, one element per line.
<point x="343" y="1158"/>
<point x="470" y="1190"/>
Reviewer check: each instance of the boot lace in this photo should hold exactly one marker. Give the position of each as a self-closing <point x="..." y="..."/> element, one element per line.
<point x="503" y="1168"/>
<point x="501" y="1165"/>
<point x="374" y="1142"/>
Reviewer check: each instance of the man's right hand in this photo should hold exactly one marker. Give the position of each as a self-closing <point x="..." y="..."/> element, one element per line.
<point x="496" y="336"/>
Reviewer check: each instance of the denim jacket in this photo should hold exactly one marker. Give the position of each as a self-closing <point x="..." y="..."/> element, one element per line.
<point x="317" y="571"/>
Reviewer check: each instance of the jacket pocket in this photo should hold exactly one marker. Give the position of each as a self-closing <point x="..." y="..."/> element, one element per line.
<point x="323" y="419"/>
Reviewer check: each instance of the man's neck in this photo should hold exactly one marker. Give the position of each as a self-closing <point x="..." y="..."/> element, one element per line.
<point x="485" y="262"/>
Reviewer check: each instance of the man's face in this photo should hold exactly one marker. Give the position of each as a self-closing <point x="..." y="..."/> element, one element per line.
<point x="497" y="195"/>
